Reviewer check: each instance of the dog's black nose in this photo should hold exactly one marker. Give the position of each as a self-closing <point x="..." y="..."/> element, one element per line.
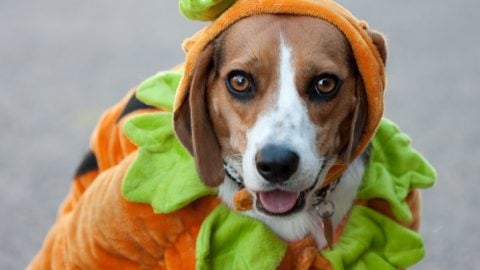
<point x="276" y="163"/>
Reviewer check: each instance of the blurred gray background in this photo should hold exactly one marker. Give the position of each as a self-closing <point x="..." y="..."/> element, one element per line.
<point x="63" y="62"/>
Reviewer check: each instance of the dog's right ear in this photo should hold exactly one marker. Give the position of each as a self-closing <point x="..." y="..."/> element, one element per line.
<point x="193" y="125"/>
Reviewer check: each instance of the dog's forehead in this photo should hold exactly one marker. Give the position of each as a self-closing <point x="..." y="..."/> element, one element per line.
<point x="252" y="41"/>
<point x="308" y="34"/>
<point x="311" y="39"/>
<point x="252" y="32"/>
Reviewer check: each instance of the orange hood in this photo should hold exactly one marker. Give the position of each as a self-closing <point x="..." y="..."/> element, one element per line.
<point x="368" y="59"/>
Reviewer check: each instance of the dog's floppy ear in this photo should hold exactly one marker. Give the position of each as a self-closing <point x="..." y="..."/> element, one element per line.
<point x="357" y="124"/>
<point x="193" y="126"/>
<point x="380" y="42"/>
<point x="359" y="116"/>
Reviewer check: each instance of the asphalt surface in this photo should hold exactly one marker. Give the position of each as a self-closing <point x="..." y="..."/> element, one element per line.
<point x="63" y="62"/>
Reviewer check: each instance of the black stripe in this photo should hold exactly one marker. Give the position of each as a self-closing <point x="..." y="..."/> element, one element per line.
<point x="238" y="181"/>
<point x="89" y="163"/>
<point x="133" y="105"/>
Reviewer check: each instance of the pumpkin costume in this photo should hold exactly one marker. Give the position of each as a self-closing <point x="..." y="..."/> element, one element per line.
<point x="138" y="203"/>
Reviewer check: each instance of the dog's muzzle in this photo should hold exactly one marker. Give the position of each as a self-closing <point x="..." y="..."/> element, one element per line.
<point x="276" y="164"/>
<point x="278" y="202"/>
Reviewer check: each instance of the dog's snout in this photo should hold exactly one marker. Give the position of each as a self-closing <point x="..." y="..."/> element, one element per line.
<point x="276" y="163"/>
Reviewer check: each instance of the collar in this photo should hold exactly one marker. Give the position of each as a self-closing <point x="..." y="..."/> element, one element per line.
<point x="322" y="193"/>
<point x="233" y="175"/>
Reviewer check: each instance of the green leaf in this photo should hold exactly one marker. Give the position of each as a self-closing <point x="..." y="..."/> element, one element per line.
<point x="228" y="240"/>
<point x="394" y="169"/>
<point x="371" y="240"/>
<point x="159" y="90"/>
<point x="151" y="131"/>
<point x="163" y="174"/>
<point x="204" y="10"/>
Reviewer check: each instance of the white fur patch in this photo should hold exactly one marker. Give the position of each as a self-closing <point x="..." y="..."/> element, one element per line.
<point x="285" y="123"/>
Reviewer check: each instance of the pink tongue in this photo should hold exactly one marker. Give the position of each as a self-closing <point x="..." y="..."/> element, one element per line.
<point x="278" y="201"/>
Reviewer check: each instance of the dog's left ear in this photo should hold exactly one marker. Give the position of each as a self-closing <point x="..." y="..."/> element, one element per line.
<point x="357" y="124"/>
<point x="359" y="116"/>
<point x="193" y="125"/>
<point x="380" y="42"/>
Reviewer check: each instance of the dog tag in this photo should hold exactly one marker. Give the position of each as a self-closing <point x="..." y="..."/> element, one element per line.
<point x="326" y="209"/>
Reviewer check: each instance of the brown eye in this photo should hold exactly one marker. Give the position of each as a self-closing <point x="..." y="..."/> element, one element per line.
<point x="240" y="85"/>
<point x="326" y="85"/>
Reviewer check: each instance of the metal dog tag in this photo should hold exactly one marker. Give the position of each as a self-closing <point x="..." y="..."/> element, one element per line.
<point x="325" y="210"/>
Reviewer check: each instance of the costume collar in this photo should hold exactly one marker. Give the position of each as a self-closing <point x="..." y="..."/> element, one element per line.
<point x="163" y="168"/>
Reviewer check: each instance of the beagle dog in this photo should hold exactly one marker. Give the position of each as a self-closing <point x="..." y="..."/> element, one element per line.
<point x="277" y="101"/>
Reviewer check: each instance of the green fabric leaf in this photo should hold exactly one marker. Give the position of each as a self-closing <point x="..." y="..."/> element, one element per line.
<point x="163" y="167"/>
<point x="204" y="10"/>
<point x="228" y="240"/>
<point x="159" y="90"/>
<point x="151" y="131"/>
<point x="394" y="169"/>
<point x="371" y="240"/>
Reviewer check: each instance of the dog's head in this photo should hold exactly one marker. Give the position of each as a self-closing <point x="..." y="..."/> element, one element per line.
<point x="278" y="100"/>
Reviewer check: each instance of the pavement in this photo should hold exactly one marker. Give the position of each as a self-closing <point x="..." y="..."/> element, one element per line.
<point x="63" y="62"/>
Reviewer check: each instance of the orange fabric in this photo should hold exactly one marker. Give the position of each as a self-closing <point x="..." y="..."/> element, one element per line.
<point x="79" y="186"/>
<point x="104" y="231"/>
<point x="368" y="58"/>
<point x="303" y="255"/>
<point x="108" y="142"/>
<point x="98" y="229"/>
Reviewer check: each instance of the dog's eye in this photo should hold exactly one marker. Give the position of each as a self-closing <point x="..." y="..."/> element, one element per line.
<point x="325" y="86"/>
<point x="240" y="84"/>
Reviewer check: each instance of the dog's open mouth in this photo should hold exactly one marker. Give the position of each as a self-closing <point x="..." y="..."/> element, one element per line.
<point x="279" y="202"/>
